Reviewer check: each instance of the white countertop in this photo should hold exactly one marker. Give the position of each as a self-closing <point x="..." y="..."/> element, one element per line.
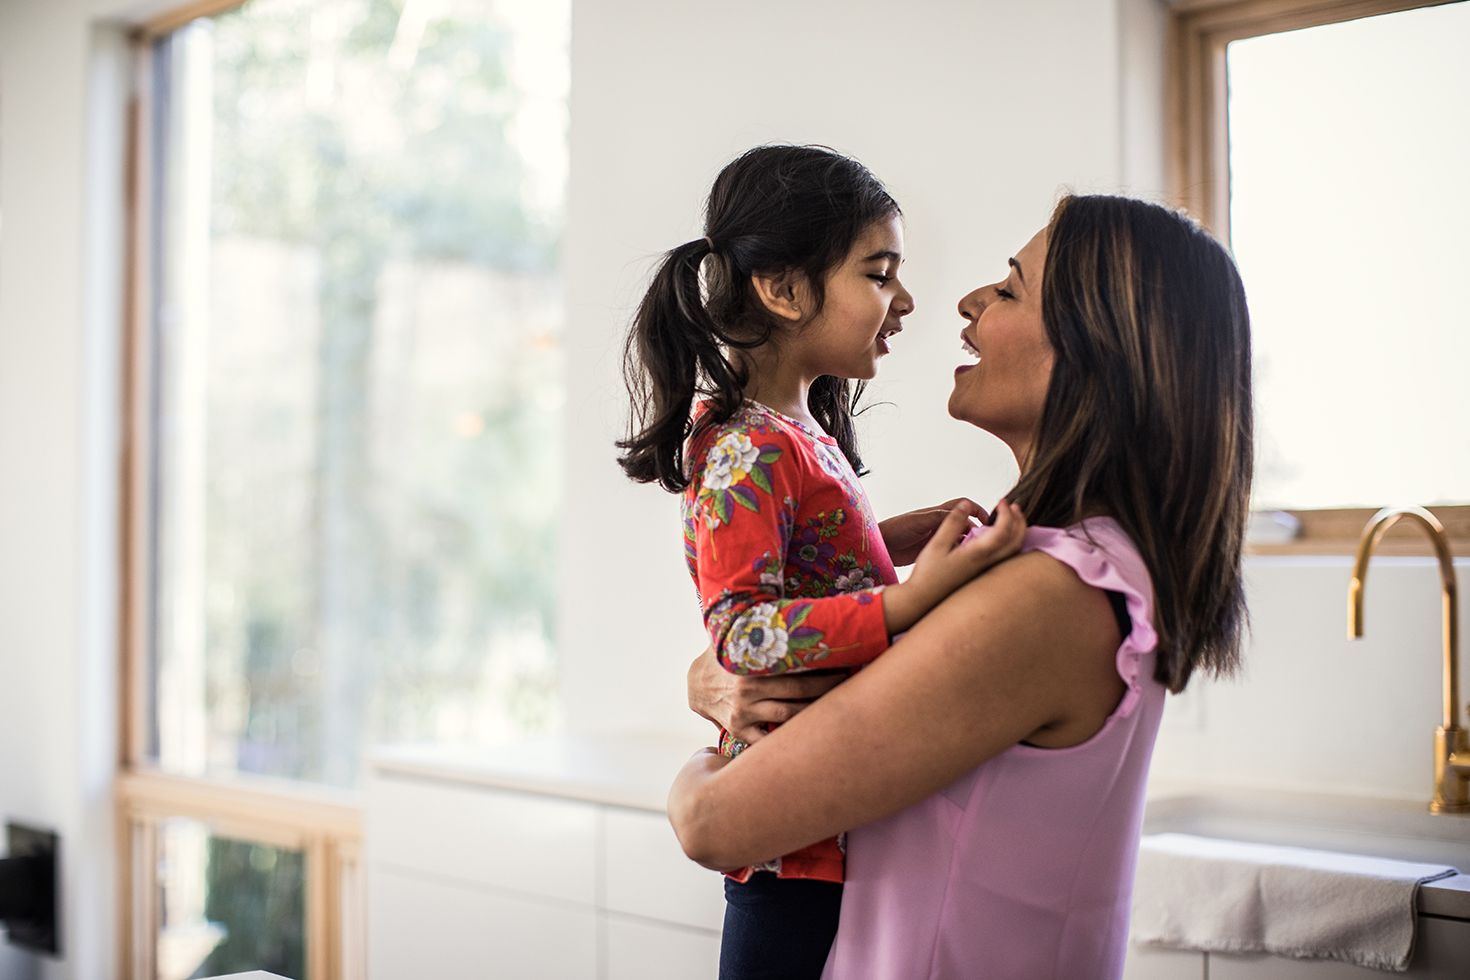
<point x="635" y="770"/>
<point x="626" y="769"/>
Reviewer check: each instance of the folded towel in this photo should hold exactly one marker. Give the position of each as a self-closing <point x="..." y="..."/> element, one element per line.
<point x="1231" y="897"/>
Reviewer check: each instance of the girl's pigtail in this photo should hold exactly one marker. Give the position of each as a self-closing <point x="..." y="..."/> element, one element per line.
<point x="673" y="347"/>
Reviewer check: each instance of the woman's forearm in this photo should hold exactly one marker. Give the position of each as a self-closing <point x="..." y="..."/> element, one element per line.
<point x="985" y="670"/>
<point x="689" y="809"/>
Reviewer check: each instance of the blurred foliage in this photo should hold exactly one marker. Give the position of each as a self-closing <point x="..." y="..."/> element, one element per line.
<point x="258" y="895"/>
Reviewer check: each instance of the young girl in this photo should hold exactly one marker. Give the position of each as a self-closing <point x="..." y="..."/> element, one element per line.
<point x="801" y="295"/>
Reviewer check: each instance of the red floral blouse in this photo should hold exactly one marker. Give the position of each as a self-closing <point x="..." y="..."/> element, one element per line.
<point x="789" y="564"/>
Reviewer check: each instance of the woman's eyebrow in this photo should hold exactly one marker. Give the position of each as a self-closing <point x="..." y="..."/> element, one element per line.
<point x="1017" y="266"/>
<point x="886" y="254"/>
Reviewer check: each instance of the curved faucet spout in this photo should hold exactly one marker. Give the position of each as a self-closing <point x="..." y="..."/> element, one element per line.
<point x="1373" y="532"/>
<point x="1451" y="743"/>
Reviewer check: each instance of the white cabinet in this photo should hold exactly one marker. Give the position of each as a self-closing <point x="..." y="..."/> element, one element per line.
<point x="419" y="926"/>
<point x="532" y="844"/>
<point x="476" y="874"/>
<point x="1152" y="963"/>
<point x="649" y="876"/>
<point x="645" y="950"/>
<point x="1441" y="952"/>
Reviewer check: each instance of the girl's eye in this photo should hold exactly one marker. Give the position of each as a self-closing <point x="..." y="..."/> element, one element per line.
<point x="1004" y="293"/>
<point x="881" y="279"/>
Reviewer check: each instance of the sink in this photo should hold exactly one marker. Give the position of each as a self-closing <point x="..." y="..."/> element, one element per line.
<point x="1400" y="829"/>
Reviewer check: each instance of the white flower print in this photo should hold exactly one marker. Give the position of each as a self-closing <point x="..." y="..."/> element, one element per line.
<point x="729" y="460"/>
<point x="832" y="461"/>
<point x="757" y="638"/>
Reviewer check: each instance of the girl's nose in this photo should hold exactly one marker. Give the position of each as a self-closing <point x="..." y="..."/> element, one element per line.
<point x="904" y="303"/>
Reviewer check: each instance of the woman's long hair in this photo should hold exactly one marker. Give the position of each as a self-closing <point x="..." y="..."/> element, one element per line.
<point x="1148" y="417"/>
<point x="774" y="209"/>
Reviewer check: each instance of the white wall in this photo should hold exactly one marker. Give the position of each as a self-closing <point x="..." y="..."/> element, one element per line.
<point x="62" y="88"/>
<point x="1313" y="711"/>
<point x="976" y="114"/>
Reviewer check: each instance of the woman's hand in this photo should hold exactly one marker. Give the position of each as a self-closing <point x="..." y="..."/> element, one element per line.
<point x="905" y="535"/>
<point x="948" y="562"/>
<point x="744" y="706"/>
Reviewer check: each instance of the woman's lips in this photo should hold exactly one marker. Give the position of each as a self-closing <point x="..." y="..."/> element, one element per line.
<point x="963" y="368"/>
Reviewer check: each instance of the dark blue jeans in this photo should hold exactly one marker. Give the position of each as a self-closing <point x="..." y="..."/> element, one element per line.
<point x="778" y="928"/>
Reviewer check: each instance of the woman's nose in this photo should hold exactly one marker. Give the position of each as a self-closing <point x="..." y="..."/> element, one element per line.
<point x="972" y="304"/>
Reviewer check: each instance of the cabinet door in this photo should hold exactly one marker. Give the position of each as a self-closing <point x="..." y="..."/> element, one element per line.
<point x="536" y="845"/>
<point x="1441" y="952"/>
<point x="1153" y="963"/>
<point x="639" y="950"/>
<point x="421" y="927"/>
<point x="647" y="874"/>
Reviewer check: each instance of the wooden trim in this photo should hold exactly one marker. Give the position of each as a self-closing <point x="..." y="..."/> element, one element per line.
<point x="141" y="961"/>
<point x="180" y="16"/>
<point x="1197" y="132"/>
<point x="280" y="812"/>
<point x="1336" y="532"/>
<point x="324" y="824"/>
<point x="1198" y="174"/>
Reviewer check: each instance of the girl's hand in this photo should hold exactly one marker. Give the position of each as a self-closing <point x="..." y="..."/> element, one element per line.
<point x="905" y="535"/>
<point x="945" y="563"/>
<point x="744" y="706"/>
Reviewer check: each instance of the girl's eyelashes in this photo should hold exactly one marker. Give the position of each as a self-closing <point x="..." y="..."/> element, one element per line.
<point x="1004" y="293"/>
<point x="880" y="278"/>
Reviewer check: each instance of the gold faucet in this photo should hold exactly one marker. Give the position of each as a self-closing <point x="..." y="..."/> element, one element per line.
<point x="1451" y="746"/>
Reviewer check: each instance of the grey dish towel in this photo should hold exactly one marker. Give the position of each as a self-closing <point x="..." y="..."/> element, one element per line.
<point x="1230" y="897"/>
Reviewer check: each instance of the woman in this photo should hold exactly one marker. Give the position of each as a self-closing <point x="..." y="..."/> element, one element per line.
<point x="994" y="761"/>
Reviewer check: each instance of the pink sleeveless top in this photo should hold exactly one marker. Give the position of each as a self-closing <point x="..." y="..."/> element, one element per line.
<point x="1023" y="868"/>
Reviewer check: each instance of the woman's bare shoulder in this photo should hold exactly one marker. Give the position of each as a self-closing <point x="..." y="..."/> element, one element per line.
<point x="1032" y="617"/>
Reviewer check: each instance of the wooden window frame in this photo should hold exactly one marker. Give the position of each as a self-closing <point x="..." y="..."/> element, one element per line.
<point x="323" y="823"/>
<point x="1198" y="175"/>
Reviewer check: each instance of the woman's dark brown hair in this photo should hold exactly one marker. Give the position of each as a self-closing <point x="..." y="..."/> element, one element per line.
<point x="773" y="209"/>
<point x="1148" y="417"/>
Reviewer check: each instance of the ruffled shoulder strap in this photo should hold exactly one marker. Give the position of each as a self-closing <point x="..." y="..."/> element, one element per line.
<point x="1100" y="552"/>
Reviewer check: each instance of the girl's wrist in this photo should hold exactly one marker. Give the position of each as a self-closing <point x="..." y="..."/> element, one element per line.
<point x="903" y="605"/>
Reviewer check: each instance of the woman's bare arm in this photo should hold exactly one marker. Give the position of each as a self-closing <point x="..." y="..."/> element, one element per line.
<point x="1027" y="649"/>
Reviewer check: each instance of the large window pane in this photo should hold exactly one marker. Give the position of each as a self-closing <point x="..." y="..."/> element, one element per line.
<point x="359" y="394"/>
<point x="1349" y="150"/>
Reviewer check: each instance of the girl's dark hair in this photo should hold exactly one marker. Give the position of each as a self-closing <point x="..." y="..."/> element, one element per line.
<point x="1148" y="417"/>
<point x="773" y="209"/>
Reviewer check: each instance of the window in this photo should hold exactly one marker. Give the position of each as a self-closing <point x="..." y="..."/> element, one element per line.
<point x="345" y="412"/>
<point x="1331" y="152"/>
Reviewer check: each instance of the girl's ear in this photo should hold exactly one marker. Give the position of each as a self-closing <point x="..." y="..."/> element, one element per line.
<point x="780" y="293"/>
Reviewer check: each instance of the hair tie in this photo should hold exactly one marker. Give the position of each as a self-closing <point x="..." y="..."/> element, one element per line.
<point x="710" y="242"/>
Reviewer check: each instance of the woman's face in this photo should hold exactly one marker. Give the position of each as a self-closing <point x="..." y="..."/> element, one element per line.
<point x="1004" y="392"/>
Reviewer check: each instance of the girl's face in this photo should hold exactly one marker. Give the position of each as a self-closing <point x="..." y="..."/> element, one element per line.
<point x="1004" y="392"/>
<point x="862" y="310"/>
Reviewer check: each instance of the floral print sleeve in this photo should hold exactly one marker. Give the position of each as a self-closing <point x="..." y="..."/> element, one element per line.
<point x="782" y="551"/>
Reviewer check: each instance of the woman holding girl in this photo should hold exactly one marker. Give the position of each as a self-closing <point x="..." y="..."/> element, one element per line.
<point x="741" y="363"/>
<point x="991" y="767"/>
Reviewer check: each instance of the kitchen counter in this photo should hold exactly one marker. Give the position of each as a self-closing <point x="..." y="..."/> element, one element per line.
<point x="634" y="771"/>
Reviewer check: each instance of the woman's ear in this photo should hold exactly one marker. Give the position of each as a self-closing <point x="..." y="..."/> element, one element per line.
<point x="780" y="293"/>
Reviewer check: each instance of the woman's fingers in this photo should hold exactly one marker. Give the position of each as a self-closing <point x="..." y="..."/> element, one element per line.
<point x="789" y="687"/>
